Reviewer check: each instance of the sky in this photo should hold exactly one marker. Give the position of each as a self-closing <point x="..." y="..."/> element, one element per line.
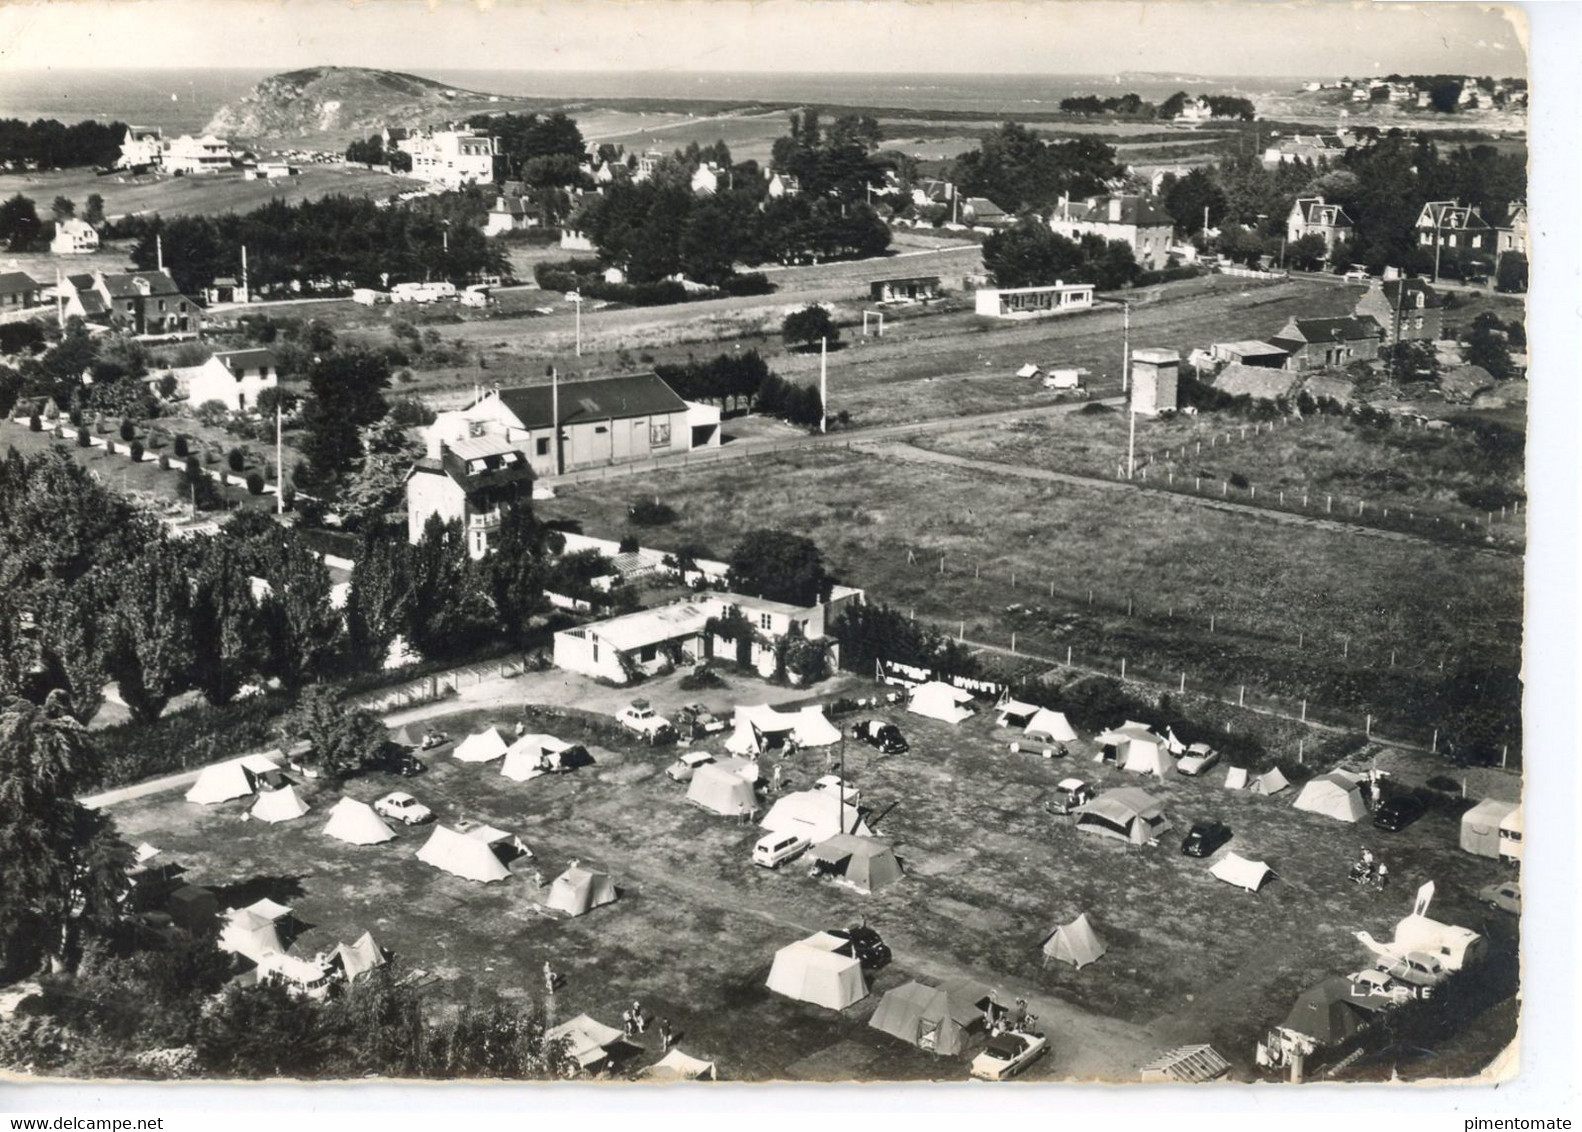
<point x="1233" y="37"/>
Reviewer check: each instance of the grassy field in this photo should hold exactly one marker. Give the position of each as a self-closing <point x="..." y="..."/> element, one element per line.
<point x="1409" y="471"/>
<point x="202" y="195"/>
<point x="1275" y="629"/>
<point x="696" y="925"/>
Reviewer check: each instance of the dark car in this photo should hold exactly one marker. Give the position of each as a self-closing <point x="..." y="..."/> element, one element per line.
<point x="885" y="736"/>
<point x="1205" y="837"/>
<point x="1395" y="814"/>
<point x="864" y="945"/>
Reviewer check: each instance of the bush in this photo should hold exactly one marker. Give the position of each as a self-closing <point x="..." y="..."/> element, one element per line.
<point x="137" y="451"/>
<point x="255" y="483"/>
<point x="701" y="679"/>
<point x="164" y="462"/>
<point x="180" y="447"/>
<point x="128" y="429"/>
<point x="651" y="513"/>
<point x="34" y="424"/>
<point x="750" y="283"/>
<point x="1238" y="480"/>
<point x="628" y="544"/>
<point x="288" y="496"/>
<point x="236" y="459"/>
<point x="75" y="416"/>
<point x="411" y="412"/>
<point x="84" y="440"/>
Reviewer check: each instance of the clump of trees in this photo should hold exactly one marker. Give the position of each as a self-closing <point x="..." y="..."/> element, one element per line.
<point x="45" y="143"/>
<point x="1030" y="255"/>
<point x="1018" y="169"/>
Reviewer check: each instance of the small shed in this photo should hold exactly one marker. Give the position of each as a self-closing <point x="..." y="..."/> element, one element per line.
<point x="1186" y="1065"/>
<point x="909" y="289"/>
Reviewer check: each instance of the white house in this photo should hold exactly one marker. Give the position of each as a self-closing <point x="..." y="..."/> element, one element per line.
<point x="620" y="648"/>
<point x="74" y="237"/>
<point x="140" y="147"/>
<point x="706" y="181"/>
<point x="451" y="157"/>
<point x="1135" y="220"/>
<point x="509" y="214"/>
<point x="1034" y="302"/>
<point x="188" y="155"/>
<point x="235" y="378"/>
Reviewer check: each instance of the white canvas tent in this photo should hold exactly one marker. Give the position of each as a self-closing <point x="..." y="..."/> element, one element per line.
<point x="863" y="863"/>
<point x="815" y="814"/>
<point x="578" y="891"/>
<point x="588" y="1042"/>
<point x="1149" y="755"/>
<point x="1512" y="827"/>
<point x="236" y="778"/>
<point x="1118" y="741"/>
<point x="677" y="1066"/>
<point x="356" y="823"/>
<point x="1270" y="782"/>
<point x="940" y="701"/>
<point x="1335" y="795"/>
<point x="813" y="728"/>
<point x="1127" y="814"/>
<point x="1014" y="713"/>
<point x="364" y="955"/>
<point x="1238" y="870"/>
<point x="461" y="854"/>
<point x="526" y="758"/>
<point x="1236" y="778"/>
<point x="1075" y="943"/>
<point x="278" y="805"/>
<point x="1050" y="725"/>
<point x="247" y="933"/>
<point x="759" y="726"/>
<point x="811" y="970"/>
<point x="485" y="746"/>
<point x="723" y="788"/>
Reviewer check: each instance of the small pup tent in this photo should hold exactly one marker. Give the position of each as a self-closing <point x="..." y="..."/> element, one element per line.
<point x="234" y="779"/>
<point x="487" y="745"/>
<point x="1335" y="795"/>
<point x="354" y="959"/>
<point x="1050" y="725"/>
<point x="677" y="1066"/>
<point x="356" y="823"/>
<point x="932" y="1018"/>
<point x="1127" y="814"/>
<point x="1014" y="713"/>
<point x="811" y="970"/>
<point x="815" y="814"/>
<point x="940" y="701"/>
<point x="1270" y="783"/>
<point x="578" y="891"/>
<point x="1238" y="870"/>
<point x="721" y="788"/>
<point x="463" y="855"/>
<point x="533" y="755"/>
<point x="254" y="931"/>
<point x="1236" y="778"/>
<point x="1480" y="827"/>
<point x="1075" y="943"/>
<point x="278" y="805"/>
<point x="588" y="1042"/>
<point x="864" y="863"/>
<point x="1148" y="756"/>
<point x="1117" y="743"/>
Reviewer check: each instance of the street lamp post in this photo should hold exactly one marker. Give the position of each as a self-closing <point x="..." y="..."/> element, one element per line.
<point x="576" y="301"/>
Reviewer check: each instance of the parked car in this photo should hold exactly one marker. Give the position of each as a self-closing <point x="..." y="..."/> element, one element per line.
<point x="832" y="784"/>
<point x="402" y="807"/>
<point x="864" y="945"/>
<point x="1204" y="838"/>
<point x="1069" y="795"/>
<point x="881" y="734"/>
<point x="641" y="719"/>
<point x="1374" y="983"/>
<point x="1395" y="814"/>
<point x="397" y="760"/>
<point x="775" y="849"/>
<point x="1356" y="275"/>
<point x="1418" y="968"/>
<point x="1008" y="1054"/>
<point x="697" y="721"/>
<point x="687" y="765"/>
<point x="1199" y="758"/>
<point x="1506" y="896"/>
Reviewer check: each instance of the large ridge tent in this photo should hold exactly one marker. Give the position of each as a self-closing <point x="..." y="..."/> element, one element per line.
<point x="1335" y="795"/>
<point x="940" y="701"/>
<point x="677" y="1066"/>
<point x="357" y="824"/>
<point x="487" y="745"/>
<point x="577" y="891"/>
<point x="588" y="1042"/>
<point x="247" y="933"/>
<point x="1480" y="826"/>
<point x="1243" y="873"/>
<point x="932" y="1018"/>
<point x="1050" y="725"/>
<point x="236" y="778"/>
<point x="759" y="727"/>
<point x="1117" y="742"/>
<point x="864" y="863"/>
<point x="1143" y="757"/>
<point x="465" y="856"/>
<point x="356" y="958"/>
<point x="1270" y="782"/>
<point x="1014" y="713"/>
<point x="722" y="789"/>
<point x="1127" y="814"/>
<point x="1075" y="943"/>
<point x="533" y="755"/>
<point x="811" y="970"/>
<point x="817" y="815"/>
<point x="278" y="805"/>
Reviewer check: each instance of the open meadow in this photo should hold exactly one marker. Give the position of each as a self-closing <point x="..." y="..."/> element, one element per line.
<point x="692" y="935"/>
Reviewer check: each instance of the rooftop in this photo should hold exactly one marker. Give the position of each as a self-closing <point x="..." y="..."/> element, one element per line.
<point x="608" y="398"/>
<point x="17" y="283"/>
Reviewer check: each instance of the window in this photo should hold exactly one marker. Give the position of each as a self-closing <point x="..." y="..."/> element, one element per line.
<point x="765" y="621"/>
<point x="543" y="446"/>
<point x="646" y="654"/>
<point x="659" y="435"/>
<point x="600" y="430"/>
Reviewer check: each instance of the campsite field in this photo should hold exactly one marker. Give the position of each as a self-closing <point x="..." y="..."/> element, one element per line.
<point x="884" y="524"/>
<point x="989" y="875"/>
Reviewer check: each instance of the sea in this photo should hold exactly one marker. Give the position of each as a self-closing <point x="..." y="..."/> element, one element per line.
<point x="182" y="101"/>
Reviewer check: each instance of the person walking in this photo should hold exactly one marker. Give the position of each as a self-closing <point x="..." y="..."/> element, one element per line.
<point x="637" y="1016"/>
<point x="664" y="1035"/>
<point x="549" y="977"/>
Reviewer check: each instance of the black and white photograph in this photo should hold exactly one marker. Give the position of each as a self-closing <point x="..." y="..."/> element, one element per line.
<point x="906" y="543"/>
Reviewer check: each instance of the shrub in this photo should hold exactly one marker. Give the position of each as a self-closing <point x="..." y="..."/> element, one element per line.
<point x="700" y="679"/>
<point x="34" y="424"/>
<point x="212" y="413"/>
<point x="236" y="459"/>
<point x="193" y="467"/>
<point x="288" y="496"/>
<point x="1240" y="481"/>
<point x="164" y="461"/>
<point x="180" y="447"/>
<point x="83" y="438"/>
<point x="255" y="483"/>
<point x="128" y="429"/>
<point x="628" y="544"/>
<point x="411" y="412"/>
<point x="109" y="448"/>
<point x="651" y="513"/>
<point x="137" y="451"/>
<point x="751" y="283"/>
<point x="75" y="416"/>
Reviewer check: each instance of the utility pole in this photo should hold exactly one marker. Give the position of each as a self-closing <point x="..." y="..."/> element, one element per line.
<point x="1126" y="346"/>
<point x="60" y="299"/>
<point x="280" y="466"/>
<point x="1131" y="439"/>
<point x="823" y="385"/>
<point x="247" y="295"/>
<point x="1126" y="387"/>
<point x="159" y="254"/>
<point x="1205" y="222"/>
<point x="577" y="302"/>
<point x="554" y="413"/>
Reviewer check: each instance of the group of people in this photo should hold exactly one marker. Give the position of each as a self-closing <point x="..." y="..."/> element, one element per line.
<point x="634" y="1021"/>
<point x="1369" y="870"/>
<point x="1000" y="1021"/>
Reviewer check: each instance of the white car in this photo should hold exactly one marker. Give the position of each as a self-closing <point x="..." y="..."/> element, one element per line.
<point x="1008" y="1054"/>
<point x="1375" y="984"/>
<point x="1418" y="968"/>
<point x="774" y="849"/>
<point x="831" y="784"/>
<point x="642" y="719"/>
<point x="404" y="808"/>
<point x="1199" y="757"/>
<point x="1355" y="276"/>
<point x="687" y="765"/>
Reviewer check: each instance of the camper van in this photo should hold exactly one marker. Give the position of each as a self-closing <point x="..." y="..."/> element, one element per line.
<point x="774" y="849"/>
<point x="411" y="293"/>
<point x="367" y="296"/>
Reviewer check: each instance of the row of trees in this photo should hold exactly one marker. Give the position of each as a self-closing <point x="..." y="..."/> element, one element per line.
<point x="47" y="144"/>
<point x="1020" y="170"/>
<point x="371" y="151"/>
<point x="736" y="378"/>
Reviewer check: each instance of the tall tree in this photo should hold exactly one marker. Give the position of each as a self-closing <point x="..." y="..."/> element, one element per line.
<point x="151" y="657"/>
<point x="448" y="610"/>
<point x="223" y="614"/>
<point x="344" y="738"/>
<point x="779" y="566"/>
<point x="378" y="599"/>
<point x="300" y="629"/>
<point x="514" y="571"/>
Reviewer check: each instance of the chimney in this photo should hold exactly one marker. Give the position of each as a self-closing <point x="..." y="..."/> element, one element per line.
<point x="1065" y="206"/>
<point x="1115" y="210"/>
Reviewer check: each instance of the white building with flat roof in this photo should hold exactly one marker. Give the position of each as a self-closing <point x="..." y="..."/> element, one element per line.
<point x="1034" y="302"/>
